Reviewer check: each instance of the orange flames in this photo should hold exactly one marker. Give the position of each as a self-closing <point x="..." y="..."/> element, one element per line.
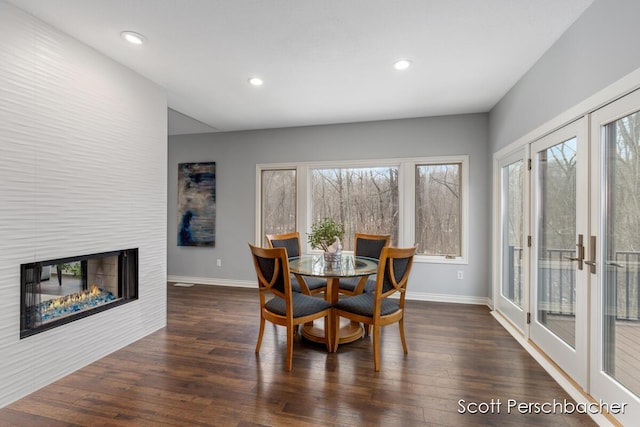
<point x="69" y="300"/>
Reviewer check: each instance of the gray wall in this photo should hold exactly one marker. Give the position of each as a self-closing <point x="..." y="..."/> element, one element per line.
<point x="237" y="153"/>
<point x="599" y="49"/>
<point x="595" y="52"/>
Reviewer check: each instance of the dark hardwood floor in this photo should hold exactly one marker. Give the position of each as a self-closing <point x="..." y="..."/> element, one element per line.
<point x="201" y="370"/>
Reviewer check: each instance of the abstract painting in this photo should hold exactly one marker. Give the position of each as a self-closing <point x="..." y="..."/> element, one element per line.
<point x="197" y="204"/>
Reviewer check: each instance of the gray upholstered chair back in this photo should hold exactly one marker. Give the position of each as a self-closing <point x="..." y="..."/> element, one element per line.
<point x="271" y="267"/>
<point x="394" y="272"/>
<point x="289" y="241"/>
<point x="369" y="247"/>
<point x="267" y="268"/>
<point x="291" y="245"/>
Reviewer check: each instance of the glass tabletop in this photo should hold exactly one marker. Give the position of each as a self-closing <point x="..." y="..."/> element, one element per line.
<point x="349" y="266"/>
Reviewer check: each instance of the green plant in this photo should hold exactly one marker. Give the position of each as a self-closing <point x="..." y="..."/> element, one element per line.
<point x="72" y="267"/>
<point x="324" y="233"/>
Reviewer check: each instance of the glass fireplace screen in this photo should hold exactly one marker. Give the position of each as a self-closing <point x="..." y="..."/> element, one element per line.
<point x="59" y="291"/>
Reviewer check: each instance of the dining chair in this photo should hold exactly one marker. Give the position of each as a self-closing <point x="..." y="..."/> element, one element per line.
<point x="376" y="308"/>
<point x="368" y="245"/>
<point x="291" y="242"/>
<point x="285" y="307"/>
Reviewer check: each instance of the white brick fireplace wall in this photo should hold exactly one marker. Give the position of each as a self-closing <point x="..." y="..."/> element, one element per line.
<point x="83" y="169"/>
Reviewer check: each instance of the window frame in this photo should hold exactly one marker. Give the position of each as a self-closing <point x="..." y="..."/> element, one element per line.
<point x="406" y="198"/>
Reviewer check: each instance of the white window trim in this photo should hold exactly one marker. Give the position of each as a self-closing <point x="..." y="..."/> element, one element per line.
<point x="406" y="199"/>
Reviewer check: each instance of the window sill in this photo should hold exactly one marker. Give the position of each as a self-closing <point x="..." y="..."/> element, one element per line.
<point x="426" y="259"/>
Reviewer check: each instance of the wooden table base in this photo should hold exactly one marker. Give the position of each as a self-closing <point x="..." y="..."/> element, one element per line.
<point x="349" y="331"/>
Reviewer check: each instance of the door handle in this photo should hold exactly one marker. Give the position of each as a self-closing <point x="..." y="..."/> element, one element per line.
<point x="579" y="250"/>
<point x="615" y="264"/>
<point x="592" y="255"/>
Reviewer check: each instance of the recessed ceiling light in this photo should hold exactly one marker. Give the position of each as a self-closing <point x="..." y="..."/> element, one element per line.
<point x="132" y="37"/>
<point x="256" y="81"/>
<point x="402" y="64"/>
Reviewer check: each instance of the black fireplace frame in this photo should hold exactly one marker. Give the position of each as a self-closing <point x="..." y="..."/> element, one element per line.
<point x="30" y="273"/>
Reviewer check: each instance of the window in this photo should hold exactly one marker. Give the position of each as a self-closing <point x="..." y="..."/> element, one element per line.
<point x="278" y="201"/>
<point x="416" y="200"/>
<point x="438" y="209"/>
<point x="364" y="200"/>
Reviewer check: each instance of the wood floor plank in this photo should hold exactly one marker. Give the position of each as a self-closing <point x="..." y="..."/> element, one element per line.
<point x="201" y="370"/>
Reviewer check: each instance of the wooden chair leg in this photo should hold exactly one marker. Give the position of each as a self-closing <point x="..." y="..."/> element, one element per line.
<point x="404" y="341"/>
<point x="260" y="334"/>
<point x="336" y="332"/>
<point x="289" y="348"/>
<point x="376" y="347"/>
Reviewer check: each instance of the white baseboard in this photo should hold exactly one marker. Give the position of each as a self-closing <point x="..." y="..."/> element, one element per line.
<point x="455" y="299"/>
<point x="415" y="296"/>
<point x="213" y="281"/>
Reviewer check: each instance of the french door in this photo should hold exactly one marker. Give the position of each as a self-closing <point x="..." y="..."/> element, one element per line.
<point x="581" y="274"/>
<point x="559" y="226"/>
<point x="615" y="274"/>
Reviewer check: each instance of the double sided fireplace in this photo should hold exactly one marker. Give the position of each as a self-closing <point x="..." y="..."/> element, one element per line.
<point x="59" y="291"/>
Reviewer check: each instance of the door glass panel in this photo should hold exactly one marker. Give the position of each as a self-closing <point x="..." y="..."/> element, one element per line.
<point x="556" y="240"/>
<point x="512" y="231"/>
<point x="621" y="246"/>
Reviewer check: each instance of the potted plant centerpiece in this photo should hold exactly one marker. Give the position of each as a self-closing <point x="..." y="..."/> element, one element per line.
<point x="327" y="235"/>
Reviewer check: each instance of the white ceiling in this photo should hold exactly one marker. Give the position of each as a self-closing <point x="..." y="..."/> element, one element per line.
<point x="323" y="61"/>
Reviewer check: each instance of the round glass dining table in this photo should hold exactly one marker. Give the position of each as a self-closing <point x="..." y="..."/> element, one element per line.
<point x="314" y="265"/>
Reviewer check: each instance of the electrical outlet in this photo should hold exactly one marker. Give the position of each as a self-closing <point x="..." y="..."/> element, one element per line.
<point x="219" y="262"/>
<point x="460" y="275"/>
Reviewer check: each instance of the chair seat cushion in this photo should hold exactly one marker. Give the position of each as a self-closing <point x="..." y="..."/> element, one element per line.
<point x="350" y="283"/>
<point x="303" y="305"/>
<point x="295" y="286"/>
<point x="363" y="305"/>
<point x="313" y="283"/>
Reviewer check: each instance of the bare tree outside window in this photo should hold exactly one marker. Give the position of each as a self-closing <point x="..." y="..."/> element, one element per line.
<point x="624" y="153"/>
<point x="556" y="236"/>
<point x="513" y="231"/>
<point x="623" y="243"/>
<point x="372" y="197"/>
<point x="364" y="200"/>
<point x="278" y="201"/>
<point x="438" y="209"/>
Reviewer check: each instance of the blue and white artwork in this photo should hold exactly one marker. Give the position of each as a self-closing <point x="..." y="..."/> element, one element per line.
<point x="197" y="204"/>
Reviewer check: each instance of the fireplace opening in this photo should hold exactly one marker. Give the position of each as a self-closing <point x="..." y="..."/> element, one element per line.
<point x="59" y="291"/>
